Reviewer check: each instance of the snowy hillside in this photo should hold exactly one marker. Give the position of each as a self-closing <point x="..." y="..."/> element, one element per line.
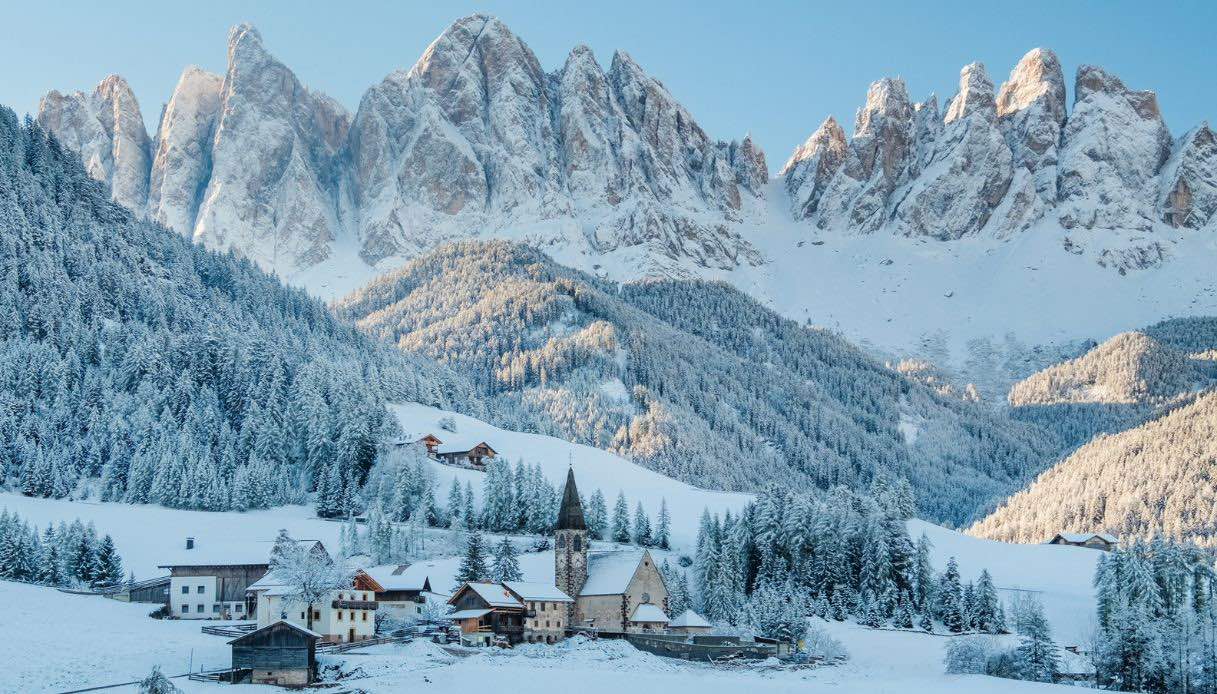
<point x="692" y="379"/>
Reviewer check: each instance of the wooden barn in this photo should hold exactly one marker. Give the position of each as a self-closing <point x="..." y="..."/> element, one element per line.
<point x="465" y="453"/>
<point x="484" y="609"/>
<point x="282" y="653"/>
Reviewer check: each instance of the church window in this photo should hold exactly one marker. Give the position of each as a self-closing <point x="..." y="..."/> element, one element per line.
<point x="561" y="542"/>
<point x="578" y="542"/>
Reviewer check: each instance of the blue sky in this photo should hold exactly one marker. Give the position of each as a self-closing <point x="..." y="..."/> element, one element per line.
<point x="775" y="69"/>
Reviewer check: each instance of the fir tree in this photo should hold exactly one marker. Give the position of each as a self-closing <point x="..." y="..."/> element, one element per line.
<point x="663" y="526"/>
<point x="597" y="516"/>
<point x="109" y="564"/>
<point x="506" y="566"/>
<point x="1036" y="656"/>
<point x="621" y="520"/>
<point x="642" y="527"/>
<point x="473" y="563"/>
<point x="950" y="598"/>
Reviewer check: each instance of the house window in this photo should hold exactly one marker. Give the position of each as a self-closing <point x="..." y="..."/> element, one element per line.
<point x="185" y="609"/>
<point x="301" y="615"/>
<point x="239" y="606"/>
<point x="215" y="607"/>
<point x="200" y="610"/>
<point x="316" y="615"/>
<point x="340" y="615"/>
<point x="185" y="590"/>
<point x="365" y="616"/>
<point x="352" y="616"/>
<point x="340" y="596"/>
<point x="201" y="589"/>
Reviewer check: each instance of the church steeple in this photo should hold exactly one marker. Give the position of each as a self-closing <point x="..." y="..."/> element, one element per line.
<point x="570" y="546"/>
<point x="570" y="516"/>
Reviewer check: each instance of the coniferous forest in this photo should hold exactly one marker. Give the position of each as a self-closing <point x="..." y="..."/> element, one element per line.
<point x="133" y="359"/>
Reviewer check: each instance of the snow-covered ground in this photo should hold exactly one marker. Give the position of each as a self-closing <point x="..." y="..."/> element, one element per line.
<point x="70" y="642"/>
<point x="594" y="469"/>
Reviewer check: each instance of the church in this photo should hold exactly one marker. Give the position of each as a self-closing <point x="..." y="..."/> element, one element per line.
<point x="613" y="591"/>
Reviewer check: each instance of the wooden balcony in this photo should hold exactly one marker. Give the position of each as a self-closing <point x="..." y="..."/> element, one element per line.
<point x="354" y="604"/>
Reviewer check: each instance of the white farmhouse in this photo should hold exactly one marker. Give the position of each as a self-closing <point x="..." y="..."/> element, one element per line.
<point x="345" y="615"/>
<point x="208" y="579"/>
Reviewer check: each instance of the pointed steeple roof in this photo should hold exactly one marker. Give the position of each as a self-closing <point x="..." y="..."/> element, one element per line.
<point x="570" y="516"/>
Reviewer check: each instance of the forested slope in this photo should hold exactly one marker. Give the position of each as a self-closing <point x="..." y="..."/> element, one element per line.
<point x="694" y="379"/>
<point x="1154" y="479"/>
<point x="167" y="373"/>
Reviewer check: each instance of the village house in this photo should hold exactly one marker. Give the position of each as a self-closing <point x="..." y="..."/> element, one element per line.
<point x="280" y="653"/>
<point x="485" y="610"/>
<point x="428" y="441"/>
<point x="614" y="591"/>
<point x="407" y="589"/>
<point x="1103" y="541"/>
<point x="471" y="453"/>
<point x="546" y="610"/>
<point x="345" y="615"/>
<point x="210" y="579"/>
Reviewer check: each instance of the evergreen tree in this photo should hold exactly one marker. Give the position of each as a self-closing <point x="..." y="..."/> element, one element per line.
<point x="621" y="520"/>
<point x="597" y="516"/>
<point x="506" y="566"/>
<point x="1036" y="656"/>
<point x="473" y="563"/>
<point x="986" y="610"/>
<point x="950" y="598"/>
<point x="642" y="527"/>
<point x="663" y="526"/>
<point x="109" y="564"/>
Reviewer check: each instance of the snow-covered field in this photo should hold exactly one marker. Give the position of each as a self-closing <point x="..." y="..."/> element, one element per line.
<point x="70" y="642"/>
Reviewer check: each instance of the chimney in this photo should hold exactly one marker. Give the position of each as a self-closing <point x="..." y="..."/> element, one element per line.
<point x="190" y="543"/>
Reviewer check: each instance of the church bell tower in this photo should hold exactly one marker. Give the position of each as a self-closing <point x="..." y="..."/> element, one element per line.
<point x="570" y="545"/>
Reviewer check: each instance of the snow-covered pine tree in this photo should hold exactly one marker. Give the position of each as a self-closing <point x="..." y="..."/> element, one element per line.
<point x="663" y="526"/>
<point x="621" y="519"/>
<point x="506" y="566"/>
<point x="597" y="516"/>
<point x="950" y="598"/>
<point x="642" y="527"/>
<point x="473" y="563"/>
<point x="1036" y="657"/>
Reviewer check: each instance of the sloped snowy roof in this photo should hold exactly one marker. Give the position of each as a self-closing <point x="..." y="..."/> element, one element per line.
<point x="494" y="594"/>
<point x="297" y="627"/>
<point x="226" y="553"/>
<point x="647" y="612"/>
<point x="609" y="573"/>
<point x="404" y="576"/>
<point x="460" y="444"/>
<point x="689" y="618"/>
<point x="537" y="591"/>
<point x="467" y="614"/>
<point x="1084" y="537"/>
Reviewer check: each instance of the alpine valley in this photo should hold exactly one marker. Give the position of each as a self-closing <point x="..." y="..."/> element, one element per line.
<point x="950" y="372"/>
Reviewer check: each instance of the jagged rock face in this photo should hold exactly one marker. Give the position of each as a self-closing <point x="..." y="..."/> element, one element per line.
<point x="107" y="128"/>
<point x="1188" y="192"/>
<point x="181" y="165"/>
<point x="813" y="165"/>
<point x="970" y="171"/>
<point x="1031" y="112"/>
<point x="476" y="136"/>
<point x="1115" y="143"/>
<point x="274" y="178"/>
<point x="876" y="164"/>
<point x="927" y="127"/>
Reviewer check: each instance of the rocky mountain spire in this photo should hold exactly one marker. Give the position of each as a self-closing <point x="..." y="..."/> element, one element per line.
<point x="876" y="164"/>
<point x="972" y="167"/>
<point x="1031" y="109"/>
<point x="1114" y="144"/>
<point x="813" y="164"/>
<point x="181" y="165"/>
<point x="274" y="166"/>
<point x="107" y="128"/>
<point x="1188" y="191"/>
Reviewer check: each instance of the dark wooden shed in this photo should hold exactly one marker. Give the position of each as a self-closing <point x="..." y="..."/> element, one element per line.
<point x="280" y="653"/>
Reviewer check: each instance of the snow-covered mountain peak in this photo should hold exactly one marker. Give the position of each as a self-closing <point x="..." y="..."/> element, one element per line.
<point x="1036" y="80"/>
<point x="975" y="94"/>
